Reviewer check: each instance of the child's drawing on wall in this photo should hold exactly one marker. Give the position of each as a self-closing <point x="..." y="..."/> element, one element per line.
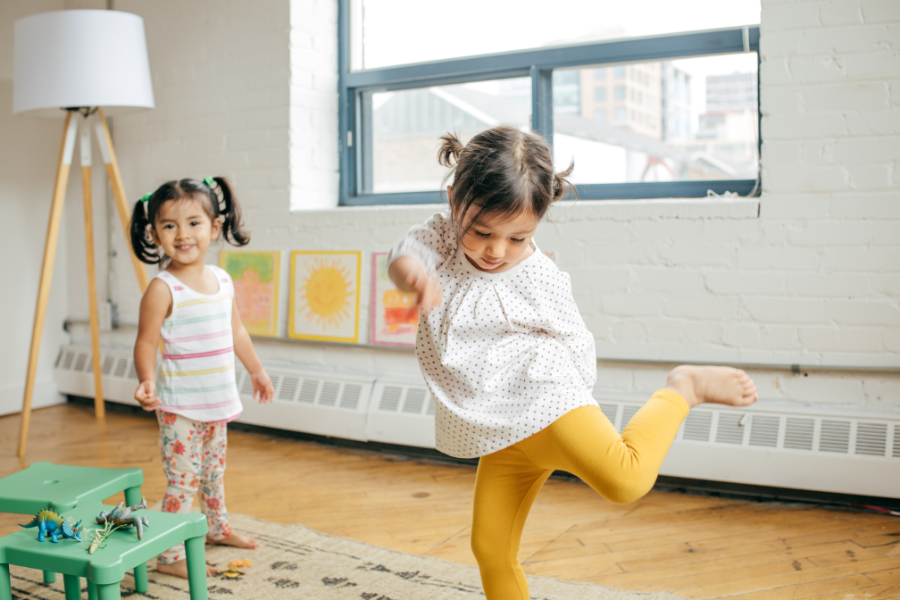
<point x="394" y="316"/>
<point x="255" y="276"/>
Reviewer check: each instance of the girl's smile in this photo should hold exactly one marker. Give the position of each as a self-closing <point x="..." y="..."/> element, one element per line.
<point x="184" y="231"/>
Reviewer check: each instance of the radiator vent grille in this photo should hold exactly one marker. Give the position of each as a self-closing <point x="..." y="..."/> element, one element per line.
<point x="308" y="391"/>
<point x="730" y="430"/>
<point x="328" y="395"/>
<point x="107" y="366"/>
<point x="390" y="399"/>
<point x="871" y="438"/>
<point x="764" y="431"/>
<point x="288" y="388"/>
<point x="403" y="399"/>
<point x="124" y="365"/>
<point x="835" y="436"/>
<point x="697" y="426"/>
<point x="350" y="397"/>
<point x="246" y="388"/>
<point x="798" y="434"/>
<point x="415" y="400"/>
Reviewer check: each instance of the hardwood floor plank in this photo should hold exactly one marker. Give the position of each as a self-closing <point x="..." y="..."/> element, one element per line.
<point x="694" y="546"/>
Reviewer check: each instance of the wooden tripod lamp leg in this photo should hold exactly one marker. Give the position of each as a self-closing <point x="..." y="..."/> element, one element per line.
<point x="56" y="209"/>
<point x="115" y="179"/>
<point x="99" y="407"/>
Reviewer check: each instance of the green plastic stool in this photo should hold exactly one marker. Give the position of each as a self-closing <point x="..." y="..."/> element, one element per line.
<point x="62" y="487"/>
<point x="106" y="568"/>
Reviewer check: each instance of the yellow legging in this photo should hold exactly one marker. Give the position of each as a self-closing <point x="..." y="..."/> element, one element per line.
<point x="583" y="442"/>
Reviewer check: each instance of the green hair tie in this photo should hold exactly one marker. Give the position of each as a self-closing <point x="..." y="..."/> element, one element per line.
<point x="209" y="181"/>
<point x="146" y="197"/>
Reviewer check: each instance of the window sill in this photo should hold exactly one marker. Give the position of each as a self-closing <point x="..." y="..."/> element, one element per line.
<point x="653" y="208"/>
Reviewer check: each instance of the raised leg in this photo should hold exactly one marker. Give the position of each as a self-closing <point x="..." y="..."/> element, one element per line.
<point x="109" y="591"/>
<point x="196" y="564"/>
<point x="40" y="311"/>
<point x="72" y="585"/>
<point x="49" y="576"/>
<point x="99" y="408"/>
<point x="92" y="590"/>
<point x="5" y="584"/>
<point x="132" y="497"/>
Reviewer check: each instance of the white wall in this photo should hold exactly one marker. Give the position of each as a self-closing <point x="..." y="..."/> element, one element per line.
<point x="809" y="273"/>
<point x="28" y="156"/>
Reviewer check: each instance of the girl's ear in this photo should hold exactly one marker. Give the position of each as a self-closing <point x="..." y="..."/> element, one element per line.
<point x="216" y="228"/>
<point x="154" y="237"/>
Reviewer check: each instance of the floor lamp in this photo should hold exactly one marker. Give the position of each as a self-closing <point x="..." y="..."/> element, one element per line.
<point x="75" y="63"/>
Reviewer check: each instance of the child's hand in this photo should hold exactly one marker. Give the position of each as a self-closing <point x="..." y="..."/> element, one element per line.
<point x="262" y="387"/>
<point x="146" y="396"/>
<point x="427" y="289"/>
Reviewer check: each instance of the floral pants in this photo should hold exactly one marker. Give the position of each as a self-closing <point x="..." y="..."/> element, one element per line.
<point x="193" y="457"/>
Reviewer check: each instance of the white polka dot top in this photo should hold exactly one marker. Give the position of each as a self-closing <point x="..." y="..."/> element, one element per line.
<point x="506" y="354"/>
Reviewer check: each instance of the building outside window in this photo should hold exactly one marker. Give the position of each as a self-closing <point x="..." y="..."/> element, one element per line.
<point x="642" y="131"/>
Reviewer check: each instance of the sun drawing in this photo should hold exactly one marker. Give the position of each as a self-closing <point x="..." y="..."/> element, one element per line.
<point x="326" y="292"/>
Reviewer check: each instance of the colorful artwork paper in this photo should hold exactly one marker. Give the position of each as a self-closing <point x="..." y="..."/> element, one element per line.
<point x="394" y="314"/>
<point x="324" y="298"/>
<point x="256" y="276"/>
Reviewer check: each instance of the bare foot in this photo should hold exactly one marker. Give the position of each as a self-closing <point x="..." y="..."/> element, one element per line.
<point x="179" y="569"/>
<point x="722" y="385"/>
<point x="235" y="539"/>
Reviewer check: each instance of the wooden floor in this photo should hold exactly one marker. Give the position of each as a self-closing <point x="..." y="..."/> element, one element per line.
<point x="693" y="546"/>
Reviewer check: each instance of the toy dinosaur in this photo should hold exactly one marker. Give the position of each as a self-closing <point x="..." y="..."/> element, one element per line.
<point x="121" y="516"/>
<point x="51" y="523"/>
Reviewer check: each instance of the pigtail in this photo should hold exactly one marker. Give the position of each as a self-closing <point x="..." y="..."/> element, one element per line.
<point x="561" y="185"/>
<point x="141" y="242"/>
<point x="230" y="211"/>
<point x="450" y="150"/>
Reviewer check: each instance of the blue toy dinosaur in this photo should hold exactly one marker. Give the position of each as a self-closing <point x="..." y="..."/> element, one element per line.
<point x="51" y="523"/>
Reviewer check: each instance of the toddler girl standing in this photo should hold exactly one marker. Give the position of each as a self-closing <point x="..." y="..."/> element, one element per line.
<point x="508" y="358"/>
<point x="191" y="306"/>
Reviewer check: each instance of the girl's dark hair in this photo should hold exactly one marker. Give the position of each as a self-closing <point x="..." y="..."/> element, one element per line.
<point x="504" y="171"/>
<point x="217" y="199"/>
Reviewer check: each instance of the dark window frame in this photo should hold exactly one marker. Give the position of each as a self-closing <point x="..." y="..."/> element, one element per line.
<point x="355" y="87"/>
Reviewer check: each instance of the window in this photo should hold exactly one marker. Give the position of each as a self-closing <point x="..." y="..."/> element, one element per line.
<point x="659" y="146"/>
<point x="393" y="112"/>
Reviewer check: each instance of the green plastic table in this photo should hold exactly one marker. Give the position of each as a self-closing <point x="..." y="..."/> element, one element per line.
<point x="106" y="568"/>
<point x="62" y="487"/>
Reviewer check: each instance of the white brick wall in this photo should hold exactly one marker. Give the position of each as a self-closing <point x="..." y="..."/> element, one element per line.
<point x="809" y="274"/>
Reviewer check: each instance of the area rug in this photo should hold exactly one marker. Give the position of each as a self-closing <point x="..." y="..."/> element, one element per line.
<point x="295" y="562"/>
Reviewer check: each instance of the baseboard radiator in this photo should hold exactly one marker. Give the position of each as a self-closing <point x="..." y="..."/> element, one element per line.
<point x="789" y="447"/>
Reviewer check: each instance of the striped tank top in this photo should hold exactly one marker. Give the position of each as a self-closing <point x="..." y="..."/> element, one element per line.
<point x="196" y="376"/>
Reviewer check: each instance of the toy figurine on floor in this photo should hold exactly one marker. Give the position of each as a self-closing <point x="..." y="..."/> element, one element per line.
<point x="121" y="517"/>
<point x="51" y="523"/>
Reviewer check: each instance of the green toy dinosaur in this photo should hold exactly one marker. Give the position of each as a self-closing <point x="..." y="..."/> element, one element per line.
<point x="51" y="523"/>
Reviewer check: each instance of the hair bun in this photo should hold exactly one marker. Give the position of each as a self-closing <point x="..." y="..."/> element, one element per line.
<point x="561" y="184"/>
<point x="451" y="148"/>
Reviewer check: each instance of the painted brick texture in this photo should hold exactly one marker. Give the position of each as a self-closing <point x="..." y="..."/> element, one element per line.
<point x="808" y="273"/>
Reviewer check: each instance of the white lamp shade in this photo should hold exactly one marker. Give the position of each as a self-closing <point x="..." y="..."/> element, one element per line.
<point x="80" y="58"/>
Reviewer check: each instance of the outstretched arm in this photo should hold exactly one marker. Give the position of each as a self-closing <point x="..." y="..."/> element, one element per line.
<point x="243" y="347"/>
<point x="409" y="275"/>
<point x="416" y="257"/>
